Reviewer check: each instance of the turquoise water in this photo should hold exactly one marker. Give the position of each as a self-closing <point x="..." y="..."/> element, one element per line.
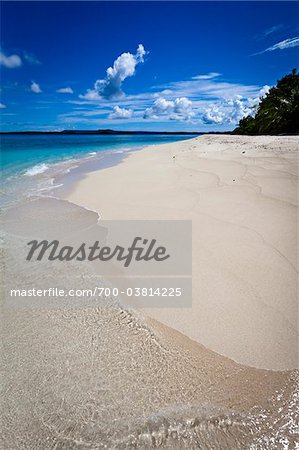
<point x="33" y="153"/>
<point x="47" y="165"/>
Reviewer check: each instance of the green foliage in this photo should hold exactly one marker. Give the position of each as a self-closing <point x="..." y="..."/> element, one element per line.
<point x="277" y="112"/>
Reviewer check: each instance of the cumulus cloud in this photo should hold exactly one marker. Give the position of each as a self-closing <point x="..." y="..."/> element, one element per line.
<point x="239" y="108"/>
<point x="35" y="87"/>
<point x="183" y="108"/>
<point x="66" y="90"/>
<point x="179" y="109"/>
<point x="228" y="112"/>
<point x="111" y="86"/>
<point x="2" y="106"/>
<point x="265" y="89"/>
<point x="231" y="111"/>
<point x="254" y="101"/>
<point x="120" y="113"/>
<point x="213" y="115"/>
<point x="11" y="61"/>
<point x="203" y="98"/>
<point x="91" y="95"/>
<point x="160" y="106"/>
<point x="287" y="43"/>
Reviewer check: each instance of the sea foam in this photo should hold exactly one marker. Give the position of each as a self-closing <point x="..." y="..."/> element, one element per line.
<point x="35" y="170"/>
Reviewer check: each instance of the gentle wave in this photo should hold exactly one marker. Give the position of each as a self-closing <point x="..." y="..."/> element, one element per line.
<point x="36" y="170"/>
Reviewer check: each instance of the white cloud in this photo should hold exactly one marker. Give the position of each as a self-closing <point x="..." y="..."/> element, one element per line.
<point x="204" y="98"/>
<point x="111" y="86"/>
<point x="265" y="89"/>
<point x="208" y="76"/>
<point x="231" y="111"/>
<point x="252" y="102"/>
<point x="11" y="61"/>
<point x="120" y="113"/>
<point x="287" y="43"/>
<point x="160" y="106"/>
<point x="239" y="109"/>
<point x="203" y="88"/>
<point x="179" y="109"/>
<point x="213" y="115"/>
<point x="2" y="106"/>
<point x="91" y="95"/>
<point x="203" y="93"/>
<point x="35" y="87"/>
<point x="66" y="90"/>
<point x="183" y="108"/>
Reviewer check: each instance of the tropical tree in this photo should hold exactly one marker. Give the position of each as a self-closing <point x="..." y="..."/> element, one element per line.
<point x="278" y="110"/>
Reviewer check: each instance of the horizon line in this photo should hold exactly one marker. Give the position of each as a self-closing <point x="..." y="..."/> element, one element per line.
<point x="110" y="131"/>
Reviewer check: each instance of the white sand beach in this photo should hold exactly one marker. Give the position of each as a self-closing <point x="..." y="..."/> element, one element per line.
<point x="241" y="194"/>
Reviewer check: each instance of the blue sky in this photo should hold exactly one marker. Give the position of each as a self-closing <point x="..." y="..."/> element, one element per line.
<point x="141" y="65"/>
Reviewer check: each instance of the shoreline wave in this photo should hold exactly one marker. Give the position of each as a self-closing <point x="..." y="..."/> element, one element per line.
<point x="36" y="170"/>
<point x="40" y="180"/>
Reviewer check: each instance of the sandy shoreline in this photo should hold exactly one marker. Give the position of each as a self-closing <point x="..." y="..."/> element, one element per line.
<point x="241" y="195"/>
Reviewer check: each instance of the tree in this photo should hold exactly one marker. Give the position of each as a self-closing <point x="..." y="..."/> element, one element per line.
<point x="277" y="112"/>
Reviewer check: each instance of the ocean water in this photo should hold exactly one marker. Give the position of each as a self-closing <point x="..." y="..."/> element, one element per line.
<point x="32" y="154"/>
<point x="34" y="164"/>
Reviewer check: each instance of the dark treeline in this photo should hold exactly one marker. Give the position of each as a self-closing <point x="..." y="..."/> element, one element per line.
<point x="277" y="112"/>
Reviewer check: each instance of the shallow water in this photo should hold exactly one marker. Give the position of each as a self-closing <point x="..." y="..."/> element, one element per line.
<point x="30" y="164"/>
<point x="33" y="154"/>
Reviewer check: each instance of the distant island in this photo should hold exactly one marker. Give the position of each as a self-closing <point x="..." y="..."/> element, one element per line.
<point x="116" y="132"/>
